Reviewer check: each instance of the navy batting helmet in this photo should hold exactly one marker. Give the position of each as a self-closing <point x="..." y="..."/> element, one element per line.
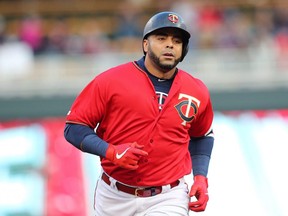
<point x="168" y="19"/>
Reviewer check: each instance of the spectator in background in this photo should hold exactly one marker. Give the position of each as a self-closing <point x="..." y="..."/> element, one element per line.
<point x="2" y="29"/>
<point x="209" y="21"/>
<point x="128" y="21"/>
<point x="281" y="38"/>
<point x="94" y="39"/>
<point x="280" y="19"/>
<point x="86" y="37"/>
<point x="235" y="30"/>
<point x="263" y="26"/>
<point x="281" y="43"/>
<point x="31" y="32"/>
<point x="55" y="41"/>
<point x="128" y="32"/>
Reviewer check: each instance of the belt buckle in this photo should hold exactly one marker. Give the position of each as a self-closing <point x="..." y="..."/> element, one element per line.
<point x="152" y="192"/>
<point x="136" y="191"/>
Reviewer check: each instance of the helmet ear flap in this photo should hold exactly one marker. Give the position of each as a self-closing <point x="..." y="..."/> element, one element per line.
<point x="184" y="51"/>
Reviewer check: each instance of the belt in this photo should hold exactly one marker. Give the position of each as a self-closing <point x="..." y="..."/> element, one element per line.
<point x="138" y="191"/>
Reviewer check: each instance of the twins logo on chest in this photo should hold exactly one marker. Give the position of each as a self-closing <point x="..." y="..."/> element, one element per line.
<point x="161" y="99"/>
<point x="187" y="108"/>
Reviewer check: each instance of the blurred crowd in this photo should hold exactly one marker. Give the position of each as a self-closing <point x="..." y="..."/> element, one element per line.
<point x="211" y="26"/>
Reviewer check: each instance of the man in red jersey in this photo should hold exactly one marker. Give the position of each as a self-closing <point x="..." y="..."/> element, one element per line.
<point x="152" y="122"/>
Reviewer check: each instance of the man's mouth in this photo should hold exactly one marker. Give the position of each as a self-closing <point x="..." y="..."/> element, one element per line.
<point x="168" y="55"/>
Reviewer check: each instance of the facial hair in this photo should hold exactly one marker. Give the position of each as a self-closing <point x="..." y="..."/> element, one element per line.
<point x="163" y="67"/>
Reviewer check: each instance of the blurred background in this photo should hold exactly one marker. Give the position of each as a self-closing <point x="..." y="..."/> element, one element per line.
<point x="49" y="50"/>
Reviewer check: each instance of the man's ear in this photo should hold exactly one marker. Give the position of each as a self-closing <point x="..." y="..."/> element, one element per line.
<point x="145" y="45"/>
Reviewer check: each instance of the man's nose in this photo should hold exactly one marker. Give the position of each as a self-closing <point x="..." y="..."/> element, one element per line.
<point x="169" y="42"/>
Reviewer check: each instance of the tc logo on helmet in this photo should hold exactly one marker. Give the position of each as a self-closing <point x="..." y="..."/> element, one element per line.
<point x="173" y="18"/>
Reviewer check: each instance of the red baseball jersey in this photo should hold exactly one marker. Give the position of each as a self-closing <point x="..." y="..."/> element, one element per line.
<point x="122" y="100"/>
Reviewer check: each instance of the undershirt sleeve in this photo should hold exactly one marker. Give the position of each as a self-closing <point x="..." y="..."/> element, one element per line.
<point x="200" y="150"/>
<point x="85" y="139"/>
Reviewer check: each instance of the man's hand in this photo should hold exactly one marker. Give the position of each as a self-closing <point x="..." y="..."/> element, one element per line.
<point x="125" y="155"/>
<point x="199" y="190"/>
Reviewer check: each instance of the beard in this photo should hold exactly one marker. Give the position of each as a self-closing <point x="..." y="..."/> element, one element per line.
<point x="162" y="66"/>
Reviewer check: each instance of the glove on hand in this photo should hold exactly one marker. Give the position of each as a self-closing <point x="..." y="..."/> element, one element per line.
<point x="199" y="190"/>
<point x="125" y="155"/>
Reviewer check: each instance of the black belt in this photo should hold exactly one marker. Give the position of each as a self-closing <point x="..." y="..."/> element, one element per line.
<point x="139" y="192"/>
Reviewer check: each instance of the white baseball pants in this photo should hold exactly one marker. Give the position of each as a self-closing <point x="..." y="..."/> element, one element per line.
<point x="109" y="201"/>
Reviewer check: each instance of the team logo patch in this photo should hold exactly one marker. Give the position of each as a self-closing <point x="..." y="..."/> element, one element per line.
<point x="187" y="108"/>
<point x="173" y="18"/>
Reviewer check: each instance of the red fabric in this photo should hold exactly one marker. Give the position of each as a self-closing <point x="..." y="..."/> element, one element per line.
<point x="123" y="100"/>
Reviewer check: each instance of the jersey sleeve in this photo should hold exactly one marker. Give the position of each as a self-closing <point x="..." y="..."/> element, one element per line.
<point x="202" y="125"/>
<point x="89" y="105"/>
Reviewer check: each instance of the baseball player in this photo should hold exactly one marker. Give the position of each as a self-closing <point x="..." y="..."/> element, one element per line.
<point x="149" y="121"/>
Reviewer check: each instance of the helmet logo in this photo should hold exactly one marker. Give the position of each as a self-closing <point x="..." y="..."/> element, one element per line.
<point x="173" y="18"/>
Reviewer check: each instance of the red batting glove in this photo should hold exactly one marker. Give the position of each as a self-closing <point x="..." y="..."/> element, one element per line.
<point x="199" y="190"/>
<point x="125" y="155"/>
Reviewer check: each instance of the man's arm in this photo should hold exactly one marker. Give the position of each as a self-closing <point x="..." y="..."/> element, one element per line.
<point x="200" y="151"/>
<point x="85" y="139"/>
